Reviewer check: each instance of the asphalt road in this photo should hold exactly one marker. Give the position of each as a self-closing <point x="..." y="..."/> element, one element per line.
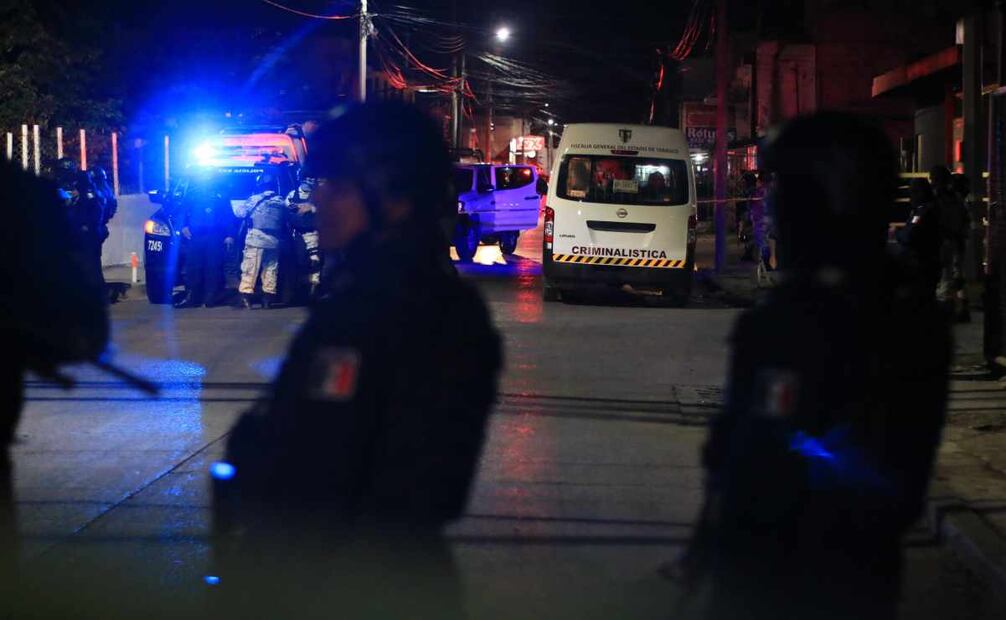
<point x="589" y="480"/>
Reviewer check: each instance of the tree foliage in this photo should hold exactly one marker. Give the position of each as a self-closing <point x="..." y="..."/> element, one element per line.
<point x="50" y="67"/>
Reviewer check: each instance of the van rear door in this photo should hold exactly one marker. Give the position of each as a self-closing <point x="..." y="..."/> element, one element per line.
<point x="516" y="197"/>
<point x="628" y="210"/>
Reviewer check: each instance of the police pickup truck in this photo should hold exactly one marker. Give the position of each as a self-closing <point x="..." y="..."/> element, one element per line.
<point x="234" y="161"/>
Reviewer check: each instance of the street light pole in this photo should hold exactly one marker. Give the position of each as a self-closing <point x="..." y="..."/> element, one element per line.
<point x="502" y="36"/>
<point x="362" y="69"/>
<point x="720" y="149"/>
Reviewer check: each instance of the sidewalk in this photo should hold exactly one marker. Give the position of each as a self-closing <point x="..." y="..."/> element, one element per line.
<point x="736" y="284"/>
<point x="123" y="274"/>
<point x="968" y="492"/>
<point x="967" y="505"/>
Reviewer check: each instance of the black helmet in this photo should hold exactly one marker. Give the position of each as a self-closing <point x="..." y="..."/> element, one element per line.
<point x="66" y="164"/>
<point x="389" y="150"/>
<point x="961" y="184"/>
<point x="265" y="181"/>
<point x="835" y="179"/>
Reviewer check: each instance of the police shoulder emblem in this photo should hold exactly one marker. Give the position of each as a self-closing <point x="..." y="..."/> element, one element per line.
<point x="337" y="372"/>
<point x="778" y="392"/>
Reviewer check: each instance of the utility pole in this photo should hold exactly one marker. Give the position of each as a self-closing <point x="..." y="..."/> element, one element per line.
<point x="995" y="233"/>
<point x="457" y="101"/>
<point x="720" y="149"/>
<point x="362" y="69"/>
<point x="492" y="122"/>
<point x="457" y="93"/>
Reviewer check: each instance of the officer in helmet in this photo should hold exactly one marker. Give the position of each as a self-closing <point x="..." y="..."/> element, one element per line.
<point x="267" y="220"/>
<point x="819" y="462"/>
<point x="86" y="211"/>
<point x="339" y="484"/>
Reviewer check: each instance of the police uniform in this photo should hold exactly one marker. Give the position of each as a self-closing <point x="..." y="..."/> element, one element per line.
<point x="52" y="312"/>
<point x="954" y="224"/>
<point x="371" y="437"/>
<point x="921" y="237"/>
<point x="87" y="218"/>
<point x="819" y="463"/>
<point x="210" y="221"/>
<point x="267" y="212"/>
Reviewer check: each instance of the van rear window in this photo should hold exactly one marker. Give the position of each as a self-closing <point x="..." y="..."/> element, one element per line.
<point x="623" y="180"/>
<point x="513" y="177"/>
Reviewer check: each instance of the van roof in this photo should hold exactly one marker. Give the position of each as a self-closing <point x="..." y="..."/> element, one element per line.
<point x="613" y="138"/>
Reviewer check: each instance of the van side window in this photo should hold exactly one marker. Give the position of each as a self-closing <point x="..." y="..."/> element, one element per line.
<point x="513" y="177"/>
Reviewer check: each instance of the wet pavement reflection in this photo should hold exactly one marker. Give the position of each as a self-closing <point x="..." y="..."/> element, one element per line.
<point x="588" y="482"/>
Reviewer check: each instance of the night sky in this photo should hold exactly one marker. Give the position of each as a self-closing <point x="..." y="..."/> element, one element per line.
<point x="172" y="57"/>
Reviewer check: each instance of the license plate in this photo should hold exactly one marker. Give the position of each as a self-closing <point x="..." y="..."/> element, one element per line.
<point x="154" y="245"/>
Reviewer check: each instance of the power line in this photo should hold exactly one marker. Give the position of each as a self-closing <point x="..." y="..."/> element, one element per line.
<point x="306" y="14"/>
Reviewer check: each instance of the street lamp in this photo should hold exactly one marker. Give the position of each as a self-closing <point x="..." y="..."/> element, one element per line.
<point x="502" y="36"/>
<point x="551" y="122"/>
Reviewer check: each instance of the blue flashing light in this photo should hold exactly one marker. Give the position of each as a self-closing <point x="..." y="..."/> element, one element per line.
<point x="211" y="580"/>
<point x="810" y="447"/>
<point x="205" y="152"/>
<point x="222" y="471"/>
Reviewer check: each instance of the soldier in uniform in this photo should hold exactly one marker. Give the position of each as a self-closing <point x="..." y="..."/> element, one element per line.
<point x="52" y="312"/>
<point x="305" y="228"/>
<point x="820" y="460"/>
<point x="267" y="213"/>
<point x="340" y="483"/>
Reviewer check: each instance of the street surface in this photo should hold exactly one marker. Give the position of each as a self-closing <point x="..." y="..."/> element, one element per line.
<point x="589" y="480"/>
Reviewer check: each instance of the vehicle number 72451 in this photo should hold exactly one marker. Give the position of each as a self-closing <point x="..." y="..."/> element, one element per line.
<point x="155" y="245"/>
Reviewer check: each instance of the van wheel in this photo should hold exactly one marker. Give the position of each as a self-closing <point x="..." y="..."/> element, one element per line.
<point x="466" y="241"/>
<point x="508" y="242"/>
<point x="550" y="293"/>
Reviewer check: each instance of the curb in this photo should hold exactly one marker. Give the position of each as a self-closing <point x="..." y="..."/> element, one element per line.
<point x="980" y="546"/>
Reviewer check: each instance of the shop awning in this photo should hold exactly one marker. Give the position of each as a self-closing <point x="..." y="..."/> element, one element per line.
<point x="897" y="79"/>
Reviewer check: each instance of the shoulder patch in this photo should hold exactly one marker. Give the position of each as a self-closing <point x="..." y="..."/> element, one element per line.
<point x="778" y="393"/>
<point x="337" y="370"/>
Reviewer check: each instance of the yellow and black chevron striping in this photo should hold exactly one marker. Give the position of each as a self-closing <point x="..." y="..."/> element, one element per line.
<point x="614" y="261"/>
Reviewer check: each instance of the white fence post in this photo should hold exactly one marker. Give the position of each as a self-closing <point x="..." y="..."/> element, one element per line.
<point x="24" y="147"/>
<point x="83" y="150"/>
<point x="59" y="143"/>
<point x="115" y="163"/>
<point x="36" y="142"/>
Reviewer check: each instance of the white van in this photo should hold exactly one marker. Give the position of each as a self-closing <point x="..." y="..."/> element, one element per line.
<point x="621" y="211"/>
<point x="495" y="203"/>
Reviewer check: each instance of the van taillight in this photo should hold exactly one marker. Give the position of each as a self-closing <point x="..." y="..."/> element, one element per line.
<point x="549" y="227"/>
<point x="693" y="223"/>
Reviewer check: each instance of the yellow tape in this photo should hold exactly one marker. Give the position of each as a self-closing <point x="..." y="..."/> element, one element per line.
<point x="652" y="263"/>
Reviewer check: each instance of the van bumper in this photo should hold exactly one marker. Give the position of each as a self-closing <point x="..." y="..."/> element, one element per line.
<point x="573" y="276"/>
